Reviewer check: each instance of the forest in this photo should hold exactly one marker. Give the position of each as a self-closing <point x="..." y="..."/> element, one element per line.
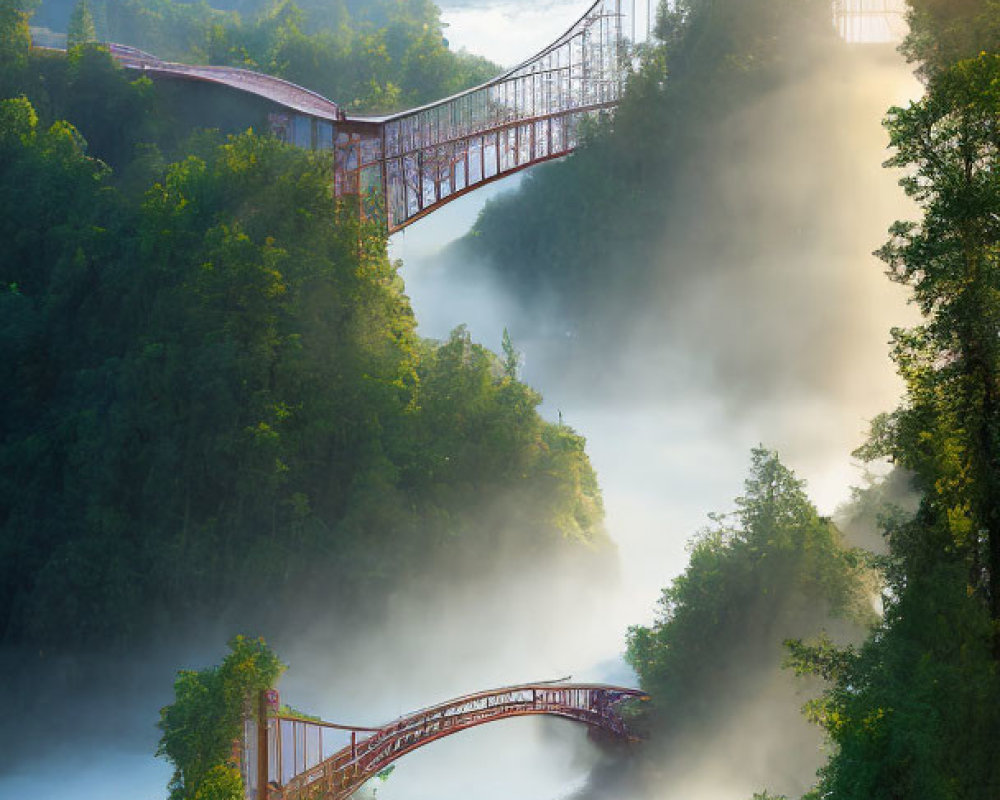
<point x="220" y="393"/>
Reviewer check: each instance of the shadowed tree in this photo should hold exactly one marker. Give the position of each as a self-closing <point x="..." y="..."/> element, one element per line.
<point x="81" y="28"/>
<point x="15" y="42"/>
<point x="754" y="578"/>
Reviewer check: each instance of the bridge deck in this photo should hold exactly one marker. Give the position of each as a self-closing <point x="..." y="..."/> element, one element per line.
<point x="278" y="90"/>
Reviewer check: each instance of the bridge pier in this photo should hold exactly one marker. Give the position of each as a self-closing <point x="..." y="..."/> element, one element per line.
<point x="262" y="754"/>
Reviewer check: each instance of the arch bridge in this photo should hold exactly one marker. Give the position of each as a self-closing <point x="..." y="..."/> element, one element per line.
<point x="286" y="757"/>
<point x="404" y="166"/>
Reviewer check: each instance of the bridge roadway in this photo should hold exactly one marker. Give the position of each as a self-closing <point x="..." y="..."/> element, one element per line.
<point x="279" y="91"/>
<point x="403" y="166"/>
<point x="306" y="758"/>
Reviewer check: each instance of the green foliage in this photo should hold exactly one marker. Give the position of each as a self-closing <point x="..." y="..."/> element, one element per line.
<point x="221" y="782"/>
<point x="15" y="42"/>
<point x="222" y="394"/>
<point x="943" y="32"/>
<point x="948" y="432"/>
<point x="81" y="28"/>
<point x="112" y="110"/>
<point x="511" y="358"/>
<point x="198" y="729"/>
<point x="771" y="570"/>
<point x="913" y="713"/>
<point x="373" y="56"/>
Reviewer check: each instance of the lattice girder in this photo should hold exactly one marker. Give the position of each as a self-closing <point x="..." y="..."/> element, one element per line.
<point x="301" y="765"/>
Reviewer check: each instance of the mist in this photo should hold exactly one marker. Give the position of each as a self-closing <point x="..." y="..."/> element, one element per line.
<point x="771" y="328"/>
<point x="439" y="638"/>
<point x="765" y="319"/>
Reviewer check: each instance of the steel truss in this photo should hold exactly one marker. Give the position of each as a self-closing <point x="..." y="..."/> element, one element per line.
<point x="401" y="167"/>
<point x="318" y="760"/>
<point x="530" y="114"/>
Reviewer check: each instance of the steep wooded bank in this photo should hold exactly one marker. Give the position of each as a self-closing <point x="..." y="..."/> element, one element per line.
<point x="221" y="406"/>
<point x="914" y="712"/>
<point x="705" y="239"/>
<point x="671" y="170"/>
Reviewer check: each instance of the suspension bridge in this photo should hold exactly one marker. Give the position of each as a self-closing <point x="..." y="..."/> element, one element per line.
<point x="286" y="757"/>
<point x="406" y="165"/>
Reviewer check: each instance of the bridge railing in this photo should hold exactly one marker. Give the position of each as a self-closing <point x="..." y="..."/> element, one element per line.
<point x="291" y="758"/>
<point x="527" y="115"/>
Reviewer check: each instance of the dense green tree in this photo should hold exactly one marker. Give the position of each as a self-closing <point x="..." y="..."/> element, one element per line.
<point x="198" y="729"/>
<point x="228" y="393"/>
<point x="770" y="570"/>
<point x="511" y="358"/>
<point x="373" y="55"/>
<point x="950" y="144"/>
<point x="15" y="42"/>
<point x="81" y="29"/>
<point x="913" y="713"/>
<point x="943" y="32"/>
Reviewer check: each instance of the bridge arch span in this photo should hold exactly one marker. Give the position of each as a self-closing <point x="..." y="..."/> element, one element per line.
<point x="294" y="758"/>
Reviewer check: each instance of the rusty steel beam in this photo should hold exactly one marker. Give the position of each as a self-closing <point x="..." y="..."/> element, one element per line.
<point x="303" y="767"/>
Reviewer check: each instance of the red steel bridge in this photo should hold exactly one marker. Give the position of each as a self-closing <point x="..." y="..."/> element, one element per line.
<point x="294" y="758"/>
<point x="408" y="164"/>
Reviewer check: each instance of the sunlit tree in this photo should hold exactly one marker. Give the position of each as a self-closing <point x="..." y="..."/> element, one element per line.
<point x="914" y="712"/>
<point x="949" y="143"/>
<point x="15" y="41"/>
<point x="773" y="569"/>
<point x="198" y="729"/>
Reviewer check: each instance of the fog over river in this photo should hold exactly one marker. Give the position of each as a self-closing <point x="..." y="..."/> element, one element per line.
<point x="786" y="347"/>
<point x="664" y="461"/>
